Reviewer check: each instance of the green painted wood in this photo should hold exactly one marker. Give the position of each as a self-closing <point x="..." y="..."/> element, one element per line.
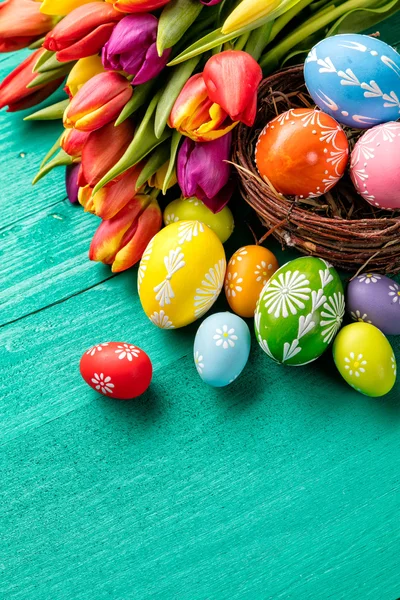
<point x="284" y="485"/>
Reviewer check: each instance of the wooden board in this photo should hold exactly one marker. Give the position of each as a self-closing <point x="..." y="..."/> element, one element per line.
<point x="284" y="485"/>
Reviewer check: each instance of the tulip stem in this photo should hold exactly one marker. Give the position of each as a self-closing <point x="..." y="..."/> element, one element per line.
<point x="258" y="40"/>
<point x="242" y="41"/>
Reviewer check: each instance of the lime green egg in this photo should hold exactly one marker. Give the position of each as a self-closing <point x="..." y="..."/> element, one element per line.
<point x="193" y="209"/>
<point x="365" y="359"/>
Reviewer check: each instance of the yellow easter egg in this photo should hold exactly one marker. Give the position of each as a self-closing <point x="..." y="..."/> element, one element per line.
<point x="181" y="274"/>
<point x="193" y="209"/>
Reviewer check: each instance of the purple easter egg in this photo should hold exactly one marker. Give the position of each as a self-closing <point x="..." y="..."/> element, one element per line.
<point x="375" y="299"/>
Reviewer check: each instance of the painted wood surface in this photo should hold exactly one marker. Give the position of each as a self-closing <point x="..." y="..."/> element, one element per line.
<point x="285" y="485"/>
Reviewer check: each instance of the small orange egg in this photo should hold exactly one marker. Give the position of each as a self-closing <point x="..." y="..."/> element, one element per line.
<point x="248" y="271"/>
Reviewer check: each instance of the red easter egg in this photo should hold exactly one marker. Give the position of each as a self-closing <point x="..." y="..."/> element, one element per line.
<point x="117" y="370"/>
<point x="302" y="152"/>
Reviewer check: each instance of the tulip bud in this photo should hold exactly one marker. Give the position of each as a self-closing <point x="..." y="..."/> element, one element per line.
<point x="71" y="182"/>
<point x="21" y="24"/>
<point x="83" y="32"/>
<point x="102" y="151"/>
<point x="121" y="241"/>
<point x="203" y="172"/>
<point x="196" y="116"/>
<point x="61" y="7"/>
<point x="14" y="91"/>
<point x="248" y="12"/>
<point x="99" y="101"/>
<point x="72" y="142"/>
<point x="137" y="6"/>
<point x="81" y="72"/>
<point x="232" y="78"/>
<point x="132" y="48"/>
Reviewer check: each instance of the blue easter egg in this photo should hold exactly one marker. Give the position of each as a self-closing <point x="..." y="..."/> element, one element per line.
<point x="355" y="79"/>
<point x="221" y="348"/>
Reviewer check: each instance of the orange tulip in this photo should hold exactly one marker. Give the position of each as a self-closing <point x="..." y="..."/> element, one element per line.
<point x="135" y="6"/>
<point x="72" y="142"/>
<point x="21" y="24"/>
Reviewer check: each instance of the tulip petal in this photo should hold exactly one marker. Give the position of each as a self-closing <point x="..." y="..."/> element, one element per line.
<point x="152" y="64"/>
<point x="21" y="23"/>
<point x="71" y="182"/>
<point x="92" y="43"/>
<point x="137" y="6"/>
<point x="112" y="198"/>
<point x="193" y="93"/>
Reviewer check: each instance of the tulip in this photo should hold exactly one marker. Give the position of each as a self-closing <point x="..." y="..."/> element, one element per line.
<point x="99" y="101"/>
<point x="85" y="198"/>
<point x="72" y="142"/>
<point x="203" y="172"/>
<point x="196" y="116"/>
<point x="13" y="90"/>
<point x="71" y="182"/>
<point x="137" y="6"/>
<point x="157" y="180"/>
<point x="232" y="78"/>
<point x="102" y="151"/>
<point x="83" y="32"/>
<point x="121" y="241"/>
<point x="61" y="7"/>
<point x="21" y="24"/>
<point x="255" y="12"/>
<point x="81" y="72"/>
<point x="132" y="48"/>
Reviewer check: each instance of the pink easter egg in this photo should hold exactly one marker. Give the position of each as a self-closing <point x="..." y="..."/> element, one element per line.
<point x="375" y="166"/>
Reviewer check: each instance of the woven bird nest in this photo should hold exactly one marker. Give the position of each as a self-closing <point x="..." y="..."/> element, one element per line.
<point x="339" y="226"/>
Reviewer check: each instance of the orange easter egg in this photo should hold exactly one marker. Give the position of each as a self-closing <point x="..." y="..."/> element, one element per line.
<point x="302" y="152"/>
<point x="248" y="271"/>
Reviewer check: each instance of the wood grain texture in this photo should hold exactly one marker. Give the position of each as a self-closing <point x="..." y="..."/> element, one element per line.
<point x="283" y="486"/>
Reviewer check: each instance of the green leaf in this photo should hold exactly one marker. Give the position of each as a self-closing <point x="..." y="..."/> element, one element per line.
<point x="176" y="138"/>
<point x="52" y="151"/>
<point x="176" y="17"/>
<point x="258" y="40"/>
<point x="158" y="158"/>
<point x="48" y="76"/>
<point x="208" y="42"/>
<point x="171" y="91"/>
<point x="139" y="97"/>
<point x="36" y="45"/>
<point x="61" y="160"/>
<point x="51" y="64"/>
<point x="50" y="113"/>
<point x="360" y="19"/>
<point x="46" y="54"/>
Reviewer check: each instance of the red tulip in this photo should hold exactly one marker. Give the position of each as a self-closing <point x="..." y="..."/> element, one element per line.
<point x="99" y="101"/>
<point x="72" y="142"/>
<point x="13" y="90"/>
<point x="21" y="24"/>
<point x="232" y="79"/>
<point x="136" y="6"/>
<point x="102" y="151"/>
<point x="83" y="32"/>
<point x="121" y="241"/>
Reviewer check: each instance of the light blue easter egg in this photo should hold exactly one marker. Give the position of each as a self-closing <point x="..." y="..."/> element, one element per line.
<point x="221" y="348"/>
<point x="355" y="79"/>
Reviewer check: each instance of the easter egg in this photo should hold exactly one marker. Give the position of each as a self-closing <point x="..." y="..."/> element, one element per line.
<point x="302" y="152"/>
<point x="355" y="79"/>
<point x="221" y="348"/>
<point x="193" y="209"/>
<point x="374" y="298"/>
<point x="181" y="274"/>
<point x="117" y="369"/>
<point x="247" y="272"/>
<point x="299" y="311"/>
<point x="375" y="166"/>
<point x="365" y="359"/>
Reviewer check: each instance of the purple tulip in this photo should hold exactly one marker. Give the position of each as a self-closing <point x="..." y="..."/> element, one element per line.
<point x="71" y="181"/>
<point x="132" y="48"/>
<point x="202" y="172"/>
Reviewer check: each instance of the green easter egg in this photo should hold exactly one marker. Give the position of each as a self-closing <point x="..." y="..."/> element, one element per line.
<point x="193" y="209"/>
<point x="365" y="359"/>
<point x="300" y="310"/>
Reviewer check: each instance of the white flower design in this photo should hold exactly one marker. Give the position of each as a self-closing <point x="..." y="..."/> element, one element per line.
<point x="173" y="263"/>
<point x="198" y="361"/>
<point x="188" y="230"/>
<point x="369" y="278"/>
<point x="238" y="256"/>
<point x="171" y="218"/>
<point x="332" y="313"/>
<point x="394" y="365"/>
<point x="395" y="292"/>
<point x="144" y="260"/>
<point x="262" y="272"/>
<point x="287" y="292"/>
<point x="265" y="347"/>
<point x="103" y="383"/>
<point x="127" y="351"/>
<point x="97" y="348"/>
<point x="290" y="350"/>
<point x="362" y="318"/>
<point x="211" y="287"/>
<point x="194" y="201"/>
<point x="161" y="320"/>
<point x="355" y="365"/>
<point x="225" y="337"/>
<point x="232" y="284"/>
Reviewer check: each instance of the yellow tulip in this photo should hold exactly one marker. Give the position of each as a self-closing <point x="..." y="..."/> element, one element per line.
<point x="252" y="11"/>
<point x="81" y="72"/>
<point x="157" y="180"/>
<point x="61" y="7"/>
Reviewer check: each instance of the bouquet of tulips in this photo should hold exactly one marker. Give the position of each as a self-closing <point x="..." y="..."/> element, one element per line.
<point x="154" y="91"/>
